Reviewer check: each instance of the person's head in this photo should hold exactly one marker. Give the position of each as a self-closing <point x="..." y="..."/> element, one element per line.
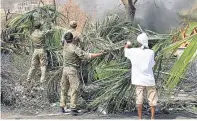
<point x="73" y="24"/>
<point x="37" y="25"/>
<point x="68" y="37"/>
<point x="143" y="40"/>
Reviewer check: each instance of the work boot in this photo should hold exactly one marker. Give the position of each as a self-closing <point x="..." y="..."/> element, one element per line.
<point x="67" y="111"/>
<point x="74" y="112"/>
<point x="62" y="110"/>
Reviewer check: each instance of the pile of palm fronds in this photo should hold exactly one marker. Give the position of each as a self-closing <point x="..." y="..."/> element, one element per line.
<point x="112" y="70"/>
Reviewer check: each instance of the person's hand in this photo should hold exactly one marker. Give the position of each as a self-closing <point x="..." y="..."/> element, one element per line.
<point x="128" y="44"/>
<point x="103" y="52"/>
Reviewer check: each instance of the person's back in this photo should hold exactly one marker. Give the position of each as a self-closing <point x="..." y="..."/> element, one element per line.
<point x="39" y="56"/>
<point x="38" y="38"/>
<point x="73" y="55"/>
<point x="142" y="61"/>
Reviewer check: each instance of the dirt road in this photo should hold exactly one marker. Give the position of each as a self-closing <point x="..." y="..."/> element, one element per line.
<point x="55" y="114"/>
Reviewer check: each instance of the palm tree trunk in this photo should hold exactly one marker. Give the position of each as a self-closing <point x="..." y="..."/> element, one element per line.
<point x="130" y="8"/>
<point x="54" y="3"/>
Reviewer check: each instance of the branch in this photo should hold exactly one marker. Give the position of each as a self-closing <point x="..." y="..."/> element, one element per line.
<point x="40" y="3"/>
<point x="140" y="28"/>
<point x="166" y="73"/>
<point x="135" y="2"/>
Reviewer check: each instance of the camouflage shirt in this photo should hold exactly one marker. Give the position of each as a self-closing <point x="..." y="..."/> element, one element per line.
<point x="37" y="38"/>
<point x="72" y="55"/>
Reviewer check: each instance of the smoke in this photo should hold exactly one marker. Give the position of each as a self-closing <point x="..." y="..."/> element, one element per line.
<point x="157" y="15"/>
<point x="161" y="16"/>
<point x="99" y="8"/>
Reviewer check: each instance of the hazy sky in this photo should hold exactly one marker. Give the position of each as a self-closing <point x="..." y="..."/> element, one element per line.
<point x="157" y="15"/>
<point x="161" y="16"/>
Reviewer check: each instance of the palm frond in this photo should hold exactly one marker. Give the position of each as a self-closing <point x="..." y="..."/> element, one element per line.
<point x="181" y="65"/>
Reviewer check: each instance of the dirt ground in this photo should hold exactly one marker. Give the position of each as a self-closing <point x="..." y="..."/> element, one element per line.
<point x="8" y="113"/>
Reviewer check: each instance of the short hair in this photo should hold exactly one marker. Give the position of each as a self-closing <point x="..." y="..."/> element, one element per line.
<point x="68" y="37"/>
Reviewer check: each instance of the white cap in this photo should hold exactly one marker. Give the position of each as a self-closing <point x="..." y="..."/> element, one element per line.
<point x="143" y="39"/>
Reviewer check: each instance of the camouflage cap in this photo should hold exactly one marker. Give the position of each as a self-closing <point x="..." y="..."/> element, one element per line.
<point x="73" y="24"/>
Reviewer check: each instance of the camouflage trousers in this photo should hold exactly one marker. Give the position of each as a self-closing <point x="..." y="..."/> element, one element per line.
<point x="70" y="80"/>
<point x="39" y="58"/>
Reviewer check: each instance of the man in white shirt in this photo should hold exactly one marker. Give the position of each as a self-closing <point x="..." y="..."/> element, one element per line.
<point x="142" y="60"/>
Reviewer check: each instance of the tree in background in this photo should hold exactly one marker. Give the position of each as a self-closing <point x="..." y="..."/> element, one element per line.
<point x="72" y="11"/>
<point x="130" y="8"/>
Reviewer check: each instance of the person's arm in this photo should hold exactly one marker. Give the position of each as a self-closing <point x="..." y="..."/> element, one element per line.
<point x="126" y="49"/>
<point x="62" y="42"/>
<point x="82" y="54"/>
<point x="153" y="59"/>
<point x="85" y="55"/>
<point x="94" y="55"/>
<point x="62" y="39"/>
<point x="127" y="44"/>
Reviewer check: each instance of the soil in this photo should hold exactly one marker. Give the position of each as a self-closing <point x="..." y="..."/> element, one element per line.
<point x="54" y="113"/>
<point x="39" y="109"/>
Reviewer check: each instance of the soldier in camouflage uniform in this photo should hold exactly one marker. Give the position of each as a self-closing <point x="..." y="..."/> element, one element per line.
<point x="39" y="56"/>
<point x="72" y="56"/>
<point x="77" y="39"/>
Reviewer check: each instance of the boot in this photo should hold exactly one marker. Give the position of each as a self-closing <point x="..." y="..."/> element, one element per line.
<point x="74" y="112"/>
<point x="62" y="110"/>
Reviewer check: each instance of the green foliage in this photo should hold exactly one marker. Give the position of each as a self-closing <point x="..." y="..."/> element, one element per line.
<point x="181" y="65"/>
<point x="191" y="26"/>
<point x="112" y="70"/>
<point x="22" y="26"/>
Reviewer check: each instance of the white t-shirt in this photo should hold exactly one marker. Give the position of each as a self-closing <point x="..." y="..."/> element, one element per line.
<point x="142" y="61"/>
